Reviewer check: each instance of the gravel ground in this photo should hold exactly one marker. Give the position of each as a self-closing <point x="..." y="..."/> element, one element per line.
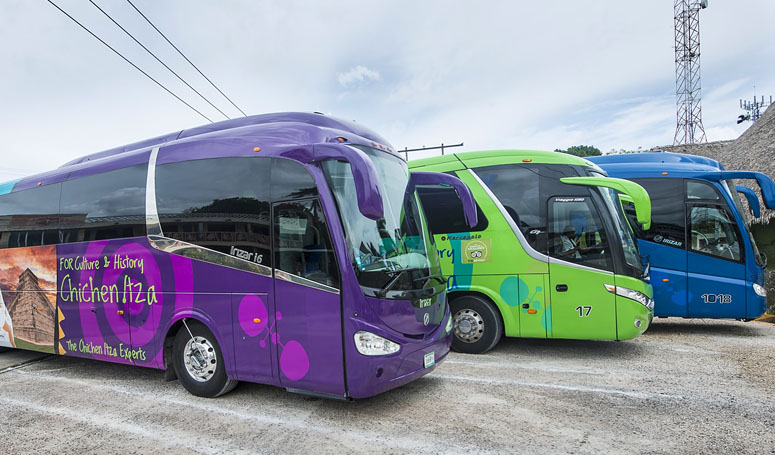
<point x="684" y="386"/>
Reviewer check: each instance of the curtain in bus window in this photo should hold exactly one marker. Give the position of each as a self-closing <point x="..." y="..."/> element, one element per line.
<point x="713" y="232"/>
<point x="302" y="242"/>
<point x="576" y="233"/>
<point x="30" y="217"/>
<point x="668" y="212"/>
<point x="104" y="206"/>
<point x="221" y="204"/>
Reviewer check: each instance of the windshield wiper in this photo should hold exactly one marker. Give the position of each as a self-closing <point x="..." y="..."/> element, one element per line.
<point x="387" y="287"/>
<point x="441" y="278"/>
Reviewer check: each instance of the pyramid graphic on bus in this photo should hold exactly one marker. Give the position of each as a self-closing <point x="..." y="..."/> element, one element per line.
<point x="32" y="314"/>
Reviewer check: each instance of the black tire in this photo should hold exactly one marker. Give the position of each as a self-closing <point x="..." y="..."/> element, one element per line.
<point x="476" y="324"/>
<point x="198" y="379"/>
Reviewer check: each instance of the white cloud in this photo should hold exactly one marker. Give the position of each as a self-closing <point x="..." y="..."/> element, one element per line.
<point x="499" y="74"/>
<point x="357" y="75"/>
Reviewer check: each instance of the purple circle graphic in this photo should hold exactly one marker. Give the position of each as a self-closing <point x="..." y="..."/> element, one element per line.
<point x="294" y="362"/>
<point x="251" y="307"/>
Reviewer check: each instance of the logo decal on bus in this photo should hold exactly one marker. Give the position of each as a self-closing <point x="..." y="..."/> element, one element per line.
<point x="246" y="255"/>
<point x="476" y="251"/>
<point x="661" y="239"/>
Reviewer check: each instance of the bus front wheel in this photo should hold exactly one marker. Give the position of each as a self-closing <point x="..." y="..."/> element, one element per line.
<point x="199" y="362"/>
<point x="476" y="324"/>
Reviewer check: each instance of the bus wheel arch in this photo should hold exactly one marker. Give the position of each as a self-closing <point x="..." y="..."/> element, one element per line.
<point x="477" y="322"/>
<point x="193" y="355"/>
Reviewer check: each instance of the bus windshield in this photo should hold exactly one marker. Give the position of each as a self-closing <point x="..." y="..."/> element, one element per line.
<point x="390" y="255"/>
<point x="631" y="256"/>
<point x="730" y="187"/>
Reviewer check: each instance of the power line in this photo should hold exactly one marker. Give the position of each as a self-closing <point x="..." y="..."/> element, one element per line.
<point x="183" y="55"/>
<point x="157" y="58"/>
<point x="129" y="61"/>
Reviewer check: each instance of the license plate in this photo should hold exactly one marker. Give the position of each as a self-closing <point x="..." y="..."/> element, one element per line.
<point x="430" y="359"/>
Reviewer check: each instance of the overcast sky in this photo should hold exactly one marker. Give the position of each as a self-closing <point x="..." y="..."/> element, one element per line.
<point x="492" y="74"/>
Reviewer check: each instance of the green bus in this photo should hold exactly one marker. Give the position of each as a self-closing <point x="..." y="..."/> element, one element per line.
<point x="552" y="255"/>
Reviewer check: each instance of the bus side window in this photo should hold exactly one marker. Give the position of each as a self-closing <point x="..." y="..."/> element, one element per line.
<point x="303" y="245"/>
<point x="713" y="232"/>
<point x="576" y="233"/>
<point x="668" y="212"/>
<point x="444" y="211"/>
<point x="30" y="217"/>
<point x="221" y="204"/>
<point x="696" y="189"/>
<point x="104" y="206"/>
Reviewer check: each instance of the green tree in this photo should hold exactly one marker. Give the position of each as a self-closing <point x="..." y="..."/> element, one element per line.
<point x="581" y="150"/>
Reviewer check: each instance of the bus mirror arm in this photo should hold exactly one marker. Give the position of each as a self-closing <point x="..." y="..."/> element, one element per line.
<point x="436" y="178"/>
<point x="364" y="175"/>
<point x="753" y="200"/>
<point x="765" y="183"/>
<point x="636" y="192"/>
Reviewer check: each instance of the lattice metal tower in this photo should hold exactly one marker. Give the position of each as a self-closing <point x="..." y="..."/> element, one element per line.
<point x="689" y="129"/>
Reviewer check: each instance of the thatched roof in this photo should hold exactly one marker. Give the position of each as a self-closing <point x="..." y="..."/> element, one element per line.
<point x="754" y="150"/>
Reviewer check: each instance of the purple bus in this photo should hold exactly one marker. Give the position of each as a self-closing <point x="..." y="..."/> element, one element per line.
<point x="287" y="249"/>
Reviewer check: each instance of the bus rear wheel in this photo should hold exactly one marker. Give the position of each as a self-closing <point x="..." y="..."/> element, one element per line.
<point x="476" y="324"/>
<point x="198" y="362"/>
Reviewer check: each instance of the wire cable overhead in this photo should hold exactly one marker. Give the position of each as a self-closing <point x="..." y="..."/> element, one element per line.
<point x="127" y="60"/>
<point x="158" y="59"/>
<point x="184" y="56"/>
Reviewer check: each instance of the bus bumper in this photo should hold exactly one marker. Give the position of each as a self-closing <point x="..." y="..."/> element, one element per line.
<point x="369" y="376"/>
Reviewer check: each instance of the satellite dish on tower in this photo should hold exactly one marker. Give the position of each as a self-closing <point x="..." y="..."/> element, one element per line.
<point x="703" y="4"/>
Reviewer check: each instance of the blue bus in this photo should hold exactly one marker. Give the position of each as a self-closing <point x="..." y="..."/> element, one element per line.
<point x="704" y="260"/>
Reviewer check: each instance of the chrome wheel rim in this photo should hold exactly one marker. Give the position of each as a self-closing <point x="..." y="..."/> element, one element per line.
<point x="200" y="359"/>
<point x="468" y="326"/>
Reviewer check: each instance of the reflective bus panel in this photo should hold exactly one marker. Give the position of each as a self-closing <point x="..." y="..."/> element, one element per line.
<point x="704" y="260"/>
<point x="221" y="260"/>
<point x="550" y="257"/>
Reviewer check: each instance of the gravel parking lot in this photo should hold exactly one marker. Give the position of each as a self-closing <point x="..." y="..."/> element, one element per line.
<point x="684" y="386"/>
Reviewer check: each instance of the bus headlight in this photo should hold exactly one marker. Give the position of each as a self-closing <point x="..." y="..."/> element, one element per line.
<point x="632" y="294"/>
<point x="449" y="323"/>
<point x="759" y="290"/>
<point x="369" y="343"/>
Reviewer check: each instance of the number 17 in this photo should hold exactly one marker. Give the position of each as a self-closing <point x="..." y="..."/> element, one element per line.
<point x="584" y="311"/>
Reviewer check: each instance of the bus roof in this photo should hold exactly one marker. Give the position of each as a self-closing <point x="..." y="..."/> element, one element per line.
<point x="495" y="157"/>
<point x="658" y="164"/>
<point x="273" y="133"/>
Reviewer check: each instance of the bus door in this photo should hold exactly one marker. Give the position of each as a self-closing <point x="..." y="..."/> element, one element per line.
<point x="580" y="269"/>
<point x="715" y="263"/>
<point x="308" y="331"/>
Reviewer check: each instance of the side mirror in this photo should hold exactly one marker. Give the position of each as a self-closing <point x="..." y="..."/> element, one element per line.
<point x="436" y="178"/>
<point x="364" y="174"/>
<point x="638" y="195"/>
<point x="753" y="200"/>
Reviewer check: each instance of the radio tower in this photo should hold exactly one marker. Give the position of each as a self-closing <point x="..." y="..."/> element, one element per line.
<point x="689" y="129"/>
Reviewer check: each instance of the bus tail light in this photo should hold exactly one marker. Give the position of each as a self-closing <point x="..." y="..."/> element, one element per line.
<point x="759" y="290"/>
<point x="371" y="344"/>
